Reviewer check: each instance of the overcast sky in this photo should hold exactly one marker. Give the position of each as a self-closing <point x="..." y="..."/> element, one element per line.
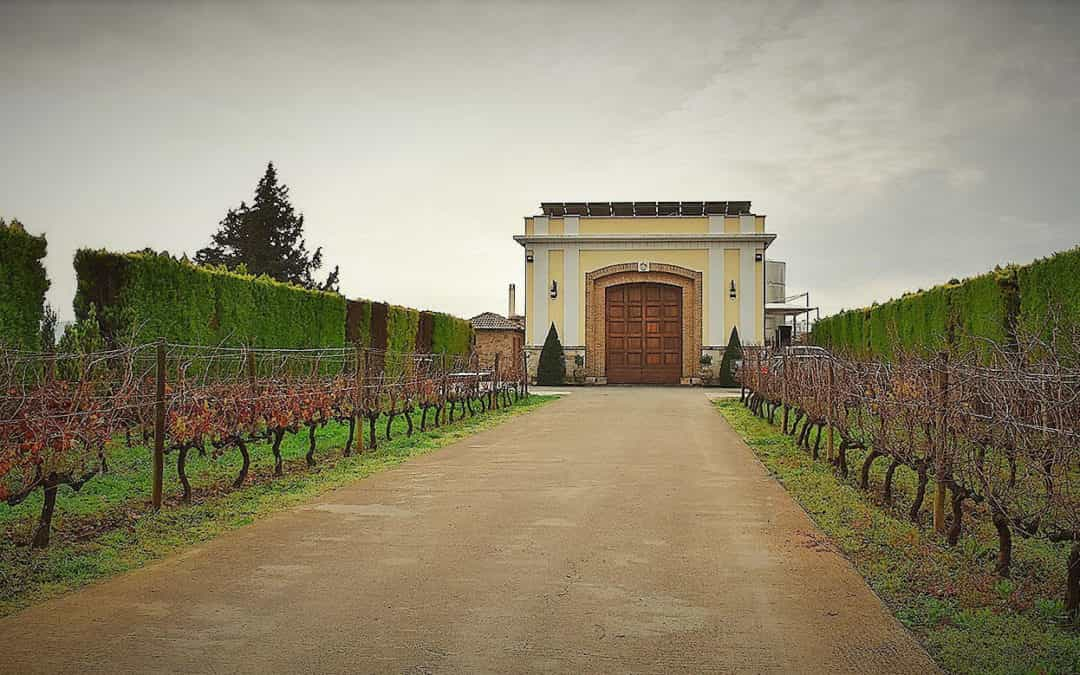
<point x="891" y="146"/>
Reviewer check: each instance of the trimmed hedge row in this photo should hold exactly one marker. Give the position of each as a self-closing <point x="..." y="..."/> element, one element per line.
<point x="1050" y="293"/>
<point x="988" y="306"/>
<point x="143" y="296"/>
<point x="22" y="287"/>
<point x="382" y="326"/>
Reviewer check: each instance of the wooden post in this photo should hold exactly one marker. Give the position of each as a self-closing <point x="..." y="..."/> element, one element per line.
<point x="831" y="410"/>
<point x="941" y="465"/>
<point x="159" y="428"/>
<point x="445" y="372"/>
<point x="525" y="372"/>
<point x="251" y="369"/>
<point x="364" y="377"/>
<point x="783" y="385"/>
<point x="495" y="378"/>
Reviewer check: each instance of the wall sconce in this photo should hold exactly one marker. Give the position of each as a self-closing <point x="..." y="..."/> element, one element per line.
<point x="528" y="256"/>
<point x="731" y="291"/>
<point x="554" y="289"/>
<point x="758" y="257"/>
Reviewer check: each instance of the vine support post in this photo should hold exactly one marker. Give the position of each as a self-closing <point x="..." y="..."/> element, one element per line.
<point x="784" y="385"/>
<point x="445" y="398"/>
<point x="359" y="376"/>
<point x="251" y="369"/>
<point x="525" y="372"/>
<point x="830" y="409"/>
<point x="495" y="384"/>
<point x="941" y="467"/>
<point x="159" y="427"/>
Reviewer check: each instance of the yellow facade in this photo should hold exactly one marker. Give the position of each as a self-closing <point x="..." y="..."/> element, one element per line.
<point x="643" y="225"/>
<point x="556" y="273"/>
<point x="731" y="305"/>
<point x="731" y="224"/>
<point x="759" y="280"/>
<point x="529" y="279"/>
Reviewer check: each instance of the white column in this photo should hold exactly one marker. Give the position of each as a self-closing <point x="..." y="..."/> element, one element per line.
<point x="571" y="225"/>
<point x="540" y="225"/>
<point x="749" y="294"/>
<point x="716" y="226"/>
<point x="714" y="332"/>
<point x="540" y="293"/>
<point x="746" y="223"/>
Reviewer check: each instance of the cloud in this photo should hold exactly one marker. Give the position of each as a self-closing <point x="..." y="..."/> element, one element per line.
<point x="889" y="144"/>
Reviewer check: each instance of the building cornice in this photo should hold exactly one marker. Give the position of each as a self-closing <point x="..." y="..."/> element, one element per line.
<point x="681" y="238"/>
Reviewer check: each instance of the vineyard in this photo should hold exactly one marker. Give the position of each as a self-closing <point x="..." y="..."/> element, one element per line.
<point x="995" y="439"/>
<point x="60" y="412"/>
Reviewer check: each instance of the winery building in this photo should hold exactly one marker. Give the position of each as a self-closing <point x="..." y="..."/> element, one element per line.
<point x="641" y="290"/>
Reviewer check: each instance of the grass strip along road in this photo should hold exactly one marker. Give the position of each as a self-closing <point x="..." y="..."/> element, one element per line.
<point x="108" y="527"/>
<point x="967" y="617"/>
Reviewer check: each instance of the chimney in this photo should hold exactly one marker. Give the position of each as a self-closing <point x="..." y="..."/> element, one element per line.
<point x="513" y="303"/>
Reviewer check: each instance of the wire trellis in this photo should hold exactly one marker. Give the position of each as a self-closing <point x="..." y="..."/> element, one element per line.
<point x="1004" y="434"/>
<point x="58" y="412"/>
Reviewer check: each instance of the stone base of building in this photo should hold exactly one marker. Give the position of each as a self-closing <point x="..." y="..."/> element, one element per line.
<point x="577" y="374"/>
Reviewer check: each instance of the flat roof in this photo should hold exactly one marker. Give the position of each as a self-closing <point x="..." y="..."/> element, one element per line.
<point x="782" y="308"/>
<point x="702" y="208"/>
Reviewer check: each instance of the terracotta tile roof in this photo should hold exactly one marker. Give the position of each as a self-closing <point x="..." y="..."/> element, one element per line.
<point x="493" y="321"/>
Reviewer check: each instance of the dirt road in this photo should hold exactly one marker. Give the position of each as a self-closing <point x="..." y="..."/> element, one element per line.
<point x="618" y="529"/>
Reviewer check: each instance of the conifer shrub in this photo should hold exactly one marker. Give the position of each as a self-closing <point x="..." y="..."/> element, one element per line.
<point x="551" y="371"/>
<point x="732" y="353"/>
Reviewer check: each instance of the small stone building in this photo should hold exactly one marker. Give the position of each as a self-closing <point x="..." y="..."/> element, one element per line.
<point x="496" y="334"/>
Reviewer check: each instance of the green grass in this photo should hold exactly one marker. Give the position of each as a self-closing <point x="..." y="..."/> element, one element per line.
<point x="108" y="527"/>
<point x="968" y="618"/>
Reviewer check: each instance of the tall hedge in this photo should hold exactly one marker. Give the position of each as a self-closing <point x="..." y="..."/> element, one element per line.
<point x="451" y="335"/>
<point x="22" y="286"/>
<point x="1050" y="292"/>
<point x="966" y="315"/>
<point x="145" y="295"/>
<point x="382" y="326"/>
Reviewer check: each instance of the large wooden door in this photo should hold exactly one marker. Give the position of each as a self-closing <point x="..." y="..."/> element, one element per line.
<point x="644" y="334"/>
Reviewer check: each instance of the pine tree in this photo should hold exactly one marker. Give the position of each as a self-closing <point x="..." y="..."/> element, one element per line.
<point x="732" y="353"/>
<point x="551" y="371"/>
<point x="267" y="237"/>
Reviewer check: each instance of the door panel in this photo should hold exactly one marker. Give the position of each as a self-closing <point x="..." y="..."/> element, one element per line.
<point x="644" y="333"/>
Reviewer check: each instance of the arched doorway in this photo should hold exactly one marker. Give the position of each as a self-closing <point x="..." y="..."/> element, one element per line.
<point x="643" y="344"/>
<point x="685" y="282"/>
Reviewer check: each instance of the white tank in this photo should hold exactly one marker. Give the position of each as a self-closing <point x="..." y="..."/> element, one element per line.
<point x="775" y="280"/>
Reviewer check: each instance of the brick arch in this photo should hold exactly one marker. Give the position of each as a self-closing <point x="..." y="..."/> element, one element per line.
<point x="598" y="281"/>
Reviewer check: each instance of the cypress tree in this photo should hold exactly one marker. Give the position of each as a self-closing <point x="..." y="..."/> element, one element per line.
<point x="551" y="370"/>
<point x="727" y="364"/>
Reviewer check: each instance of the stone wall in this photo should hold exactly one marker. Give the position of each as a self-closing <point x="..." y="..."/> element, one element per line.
<point x="574" y="374"/>
<point x="506" y="343"/>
